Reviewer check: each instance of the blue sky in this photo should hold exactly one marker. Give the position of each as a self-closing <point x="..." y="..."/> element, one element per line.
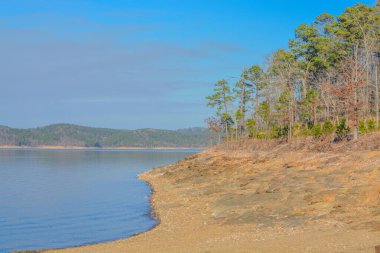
<point x="134" y="64"/>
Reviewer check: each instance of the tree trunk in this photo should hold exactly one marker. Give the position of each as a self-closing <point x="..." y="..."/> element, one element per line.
<point x="377" y="96"/>
<point x="355" y="133"/>
<point x="227" y="132"/>
<point x="242" y="120"/>
<point x="290" y="117"/>
<point x="256" y="109"/>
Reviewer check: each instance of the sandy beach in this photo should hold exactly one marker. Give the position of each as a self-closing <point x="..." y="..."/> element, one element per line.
<point x="261" y="201"/>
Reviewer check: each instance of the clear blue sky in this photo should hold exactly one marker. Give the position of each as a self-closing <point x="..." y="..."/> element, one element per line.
<point x="134" y="64"/>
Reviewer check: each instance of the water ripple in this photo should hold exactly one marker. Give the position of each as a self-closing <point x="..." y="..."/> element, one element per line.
<point x="54" y="199"/>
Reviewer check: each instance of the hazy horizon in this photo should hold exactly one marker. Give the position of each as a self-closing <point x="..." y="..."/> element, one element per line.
<point x="134" y="64"/>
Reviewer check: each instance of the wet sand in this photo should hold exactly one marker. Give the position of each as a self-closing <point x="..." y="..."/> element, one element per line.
<point x="288" y="201"/>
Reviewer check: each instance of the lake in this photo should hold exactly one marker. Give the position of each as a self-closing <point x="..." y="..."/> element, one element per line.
<point x="63" y="198"/>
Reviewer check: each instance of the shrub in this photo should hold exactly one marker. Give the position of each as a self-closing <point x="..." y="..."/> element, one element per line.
<point x="341" y="129"/>
<point x="362" y="126"/>
<point x="297" y="128"/>
<point x="328" y="127"/>
<point x="283" y="131"/>
<point x="260" y="135"/>
<point x="371" y="125"/>
<point x="278" y="132"/>
<point x="273" y="133"/>
<point x="317" y="130"/>
<point x="305" y="131"/>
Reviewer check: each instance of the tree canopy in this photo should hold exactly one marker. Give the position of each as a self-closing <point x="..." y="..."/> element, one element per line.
<point x="325" y="81"/>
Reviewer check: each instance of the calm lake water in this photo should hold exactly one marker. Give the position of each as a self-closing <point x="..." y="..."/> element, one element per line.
<point x="62" y="198"/>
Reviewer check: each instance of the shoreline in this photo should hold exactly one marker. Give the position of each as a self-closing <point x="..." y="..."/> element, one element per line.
<point x="228" y="201"/>
<point x="97" y="148"/>
<point x="153" y="214"/>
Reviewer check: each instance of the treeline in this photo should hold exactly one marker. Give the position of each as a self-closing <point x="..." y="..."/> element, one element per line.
<point x="73" y="135"/>
<point x="326" y="81"/>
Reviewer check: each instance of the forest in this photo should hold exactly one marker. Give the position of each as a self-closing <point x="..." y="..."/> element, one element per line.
<point x="325" y="83"/>
<point x="81" y="136"/>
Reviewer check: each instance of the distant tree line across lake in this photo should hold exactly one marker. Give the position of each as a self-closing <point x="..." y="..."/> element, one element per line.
<point x="73" y="135"/>
<point x="326" y="82"/>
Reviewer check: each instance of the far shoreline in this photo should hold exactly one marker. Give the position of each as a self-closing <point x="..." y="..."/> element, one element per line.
<point x="4" y="147"/>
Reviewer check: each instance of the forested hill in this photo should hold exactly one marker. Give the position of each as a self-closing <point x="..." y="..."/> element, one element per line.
<point x="74" y="135"/>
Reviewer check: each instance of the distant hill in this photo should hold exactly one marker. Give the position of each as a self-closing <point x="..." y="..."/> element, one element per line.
<point x="74" y="135"/>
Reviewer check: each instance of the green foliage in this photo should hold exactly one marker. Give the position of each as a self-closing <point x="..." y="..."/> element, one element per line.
<point x="367" y="126"/>
<point x="227" y="120"/>
<point x="279" y="132"/>
<point x="308" y="103"/>
<point x="362" y="126"/>
<point x="300" y="130"/>
<point x="238" y="115"/>
<point x="283" y="102"/>
<point x="305" y="130"/>
<point x="328" y="127"/>
<point x="257" y="77"/>
<point x="317" y="130"/>
<point x="283" y="65"/>
<point x="243" y="90"/>
<point x="251" y="127"/>
<point x="342" y="129"/>
<point x="261" y="134"/>
<point x="221" y="97"/>
<point x="311" y="96"/>
<point x="321" y="76"/>
<point x="73" y="135"/>
<point x="371" y="125"/>
<point x="356" y="23"/>
<point x="315" y="47"/>
<point x="264" y="111"/>
<point x="273" y="132"/>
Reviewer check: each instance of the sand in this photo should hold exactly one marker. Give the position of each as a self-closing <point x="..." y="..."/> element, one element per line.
<point x="288" y="201"/>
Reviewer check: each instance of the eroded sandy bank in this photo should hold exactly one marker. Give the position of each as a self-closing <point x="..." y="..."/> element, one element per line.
<point x="283" y="201"/>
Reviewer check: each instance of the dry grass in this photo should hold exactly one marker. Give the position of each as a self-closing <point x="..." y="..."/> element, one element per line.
<point x="366" y="142"/>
